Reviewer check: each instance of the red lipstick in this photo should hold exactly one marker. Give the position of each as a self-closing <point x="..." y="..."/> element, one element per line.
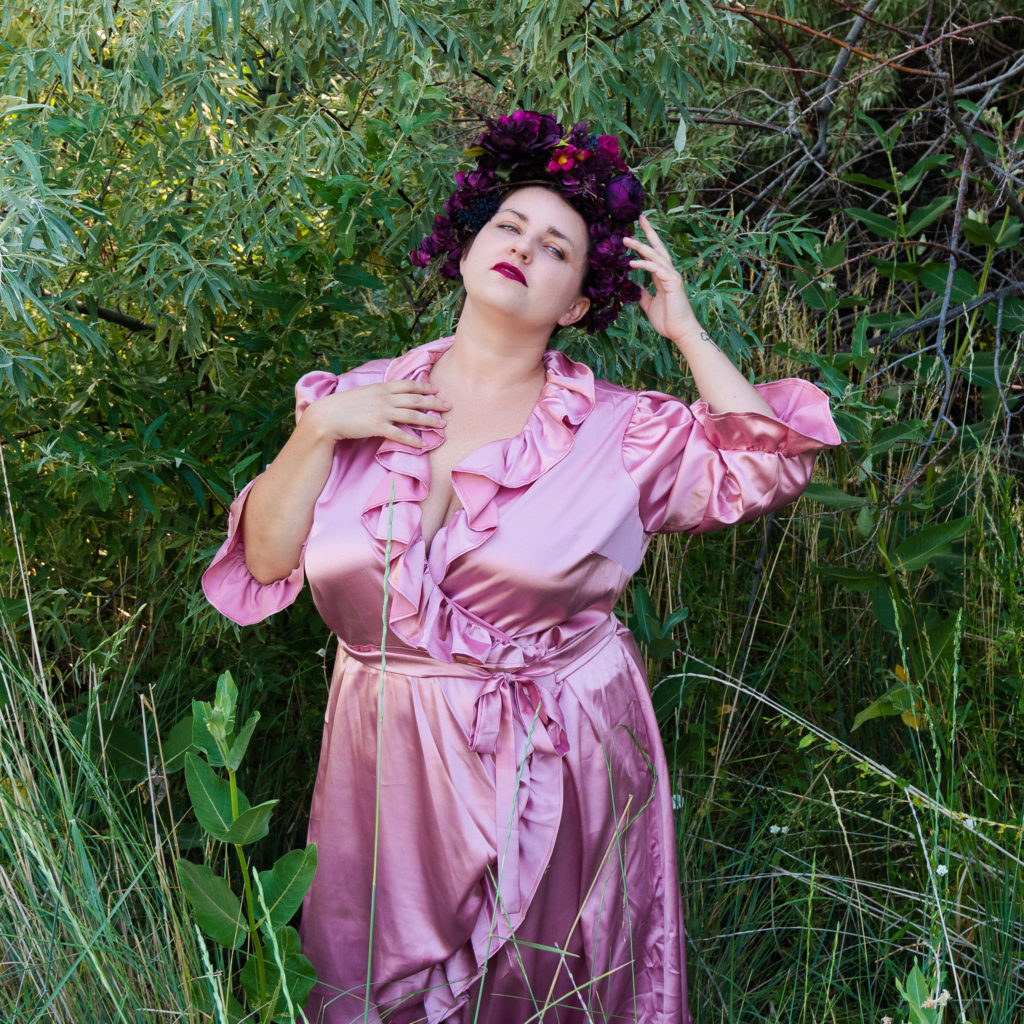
<point x="509" y="271"/>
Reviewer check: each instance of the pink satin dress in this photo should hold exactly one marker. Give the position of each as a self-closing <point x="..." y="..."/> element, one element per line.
<point x="524" y="865"/>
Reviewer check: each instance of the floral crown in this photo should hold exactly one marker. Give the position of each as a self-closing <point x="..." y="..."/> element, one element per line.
<point x="586" y="169"/>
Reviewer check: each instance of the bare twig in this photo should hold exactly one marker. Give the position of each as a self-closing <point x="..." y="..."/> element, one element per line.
<point x="828" y="101"/>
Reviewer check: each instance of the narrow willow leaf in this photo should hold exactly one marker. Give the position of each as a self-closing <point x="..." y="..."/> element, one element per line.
<point x="218" y="910"/>
<point x="286" y="883"/>
<point x="211" y="797"/>
<point x="251" y="825"/>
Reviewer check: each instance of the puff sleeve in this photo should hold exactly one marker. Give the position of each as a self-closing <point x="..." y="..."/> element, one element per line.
<point x="227" y="583"/>
<point x="697" y="470"/>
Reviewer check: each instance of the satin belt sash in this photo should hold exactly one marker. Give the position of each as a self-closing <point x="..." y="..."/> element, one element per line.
<point x="527" y="695"/>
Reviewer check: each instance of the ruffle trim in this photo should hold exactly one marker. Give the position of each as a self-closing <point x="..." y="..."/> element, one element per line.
<point x="803" y="423"/>
<point x="233" y="590"/>
<point x="421" y="614"/>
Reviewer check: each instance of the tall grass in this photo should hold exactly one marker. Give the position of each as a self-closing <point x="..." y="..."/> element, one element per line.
<point x="820" y="864"/>
<point x="92" y="926"/>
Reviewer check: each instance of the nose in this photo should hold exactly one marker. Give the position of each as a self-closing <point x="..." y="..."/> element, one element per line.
<point x="519" y="247"/>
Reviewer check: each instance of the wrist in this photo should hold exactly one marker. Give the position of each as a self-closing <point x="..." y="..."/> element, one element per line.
<point x="313" y="428"/>
<point x="690" y="334"/>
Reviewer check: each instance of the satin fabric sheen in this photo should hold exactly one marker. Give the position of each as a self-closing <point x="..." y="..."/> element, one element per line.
<point x="525" y="858"/>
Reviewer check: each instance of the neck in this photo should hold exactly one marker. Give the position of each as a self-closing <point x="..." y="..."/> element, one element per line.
<point x="495" y="352"/>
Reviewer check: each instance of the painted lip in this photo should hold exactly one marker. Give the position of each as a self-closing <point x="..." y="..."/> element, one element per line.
<point x="509" y="271"/>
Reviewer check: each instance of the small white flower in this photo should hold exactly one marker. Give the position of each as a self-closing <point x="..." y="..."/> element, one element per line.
<point x="970" y="824"/>
<point x="677" y="801"/>
<point x="775" y="830"/>
<point x="784" y="829"/>
<point x="941" y="869"/>
<point x="322" y="652"/>
<point x="887" y="1020"/>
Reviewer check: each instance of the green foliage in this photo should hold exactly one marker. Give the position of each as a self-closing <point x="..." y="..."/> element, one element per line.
<point x="275" y="978"/>
<point x="201" y="201"/>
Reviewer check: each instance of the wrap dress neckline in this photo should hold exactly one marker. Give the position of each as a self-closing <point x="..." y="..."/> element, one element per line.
<point x="392" y="513"/>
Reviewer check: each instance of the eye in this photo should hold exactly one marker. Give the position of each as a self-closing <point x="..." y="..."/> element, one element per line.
<point x="556" y="252"/>
<point x="509" y="226"/>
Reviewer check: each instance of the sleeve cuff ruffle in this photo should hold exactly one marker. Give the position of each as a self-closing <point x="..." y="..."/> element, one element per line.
<point x="697" y="470"/>
<point x="803" y="423"/>
<point x="233" y="590"/>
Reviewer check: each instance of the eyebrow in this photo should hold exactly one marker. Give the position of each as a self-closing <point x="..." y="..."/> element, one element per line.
<point x="551" y="230"/>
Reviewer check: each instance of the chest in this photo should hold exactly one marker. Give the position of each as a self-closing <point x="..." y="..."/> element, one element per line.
<point x="471" y="424"/>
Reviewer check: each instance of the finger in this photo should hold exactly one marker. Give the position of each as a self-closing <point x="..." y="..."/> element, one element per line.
<point x="393" y="433"/>
<point x="423" y="419"/>
<point x="645" y="300"/>
<point x="655" y="238"/>
<point x="638" y="245"/>
<point x="649" y="231"/>
<point x="412" y="387"/>
<point x="649" y="252"/>
<point x="420" y="401"/>
<point x="664" y="276"/>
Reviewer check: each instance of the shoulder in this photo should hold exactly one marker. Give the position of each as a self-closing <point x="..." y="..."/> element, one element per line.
<point x="613" y="399"/>
<point x="631" y="406"/>
<point x="319" y="384"/>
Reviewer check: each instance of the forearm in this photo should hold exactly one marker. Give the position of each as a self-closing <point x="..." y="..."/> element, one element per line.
<point x="279" y="510"/>
<point x="718" y="381"/>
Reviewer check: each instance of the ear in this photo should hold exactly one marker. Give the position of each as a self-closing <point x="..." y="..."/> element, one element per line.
<point x="575" y="312"/>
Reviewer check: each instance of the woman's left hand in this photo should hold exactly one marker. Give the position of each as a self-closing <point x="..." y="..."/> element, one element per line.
<point x="668" y="309"/>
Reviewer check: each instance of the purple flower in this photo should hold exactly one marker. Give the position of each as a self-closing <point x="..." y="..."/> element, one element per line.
<point x="475" y="180"/>
<point x="625" y="197"/>
<point x="514" y="139"/>
<point x="630" y="292"/>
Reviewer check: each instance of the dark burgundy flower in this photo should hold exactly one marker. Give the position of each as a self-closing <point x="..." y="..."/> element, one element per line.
<point x="514" y="139"/>
<point x="608" y="248"/>
<point x="625" y="197"/>
<point x="630" y="291"/>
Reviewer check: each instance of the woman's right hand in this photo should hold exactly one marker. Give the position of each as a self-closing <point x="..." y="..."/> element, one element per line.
<point x="378" y="410"/>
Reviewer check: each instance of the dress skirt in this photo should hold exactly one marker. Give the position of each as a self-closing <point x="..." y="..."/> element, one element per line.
<point x="508" y="842"/>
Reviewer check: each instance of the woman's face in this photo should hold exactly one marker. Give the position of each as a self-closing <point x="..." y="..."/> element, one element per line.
<point x="529" y="260"/>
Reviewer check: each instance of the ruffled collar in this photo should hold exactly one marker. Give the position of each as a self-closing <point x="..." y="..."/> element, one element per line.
<point x="420" y="612"/>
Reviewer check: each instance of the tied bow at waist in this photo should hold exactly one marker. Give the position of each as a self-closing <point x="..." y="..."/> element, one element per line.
<point x="505" y="701"/>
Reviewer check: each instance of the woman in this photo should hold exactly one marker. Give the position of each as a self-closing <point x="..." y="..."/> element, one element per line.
<point x="492" y="809"/>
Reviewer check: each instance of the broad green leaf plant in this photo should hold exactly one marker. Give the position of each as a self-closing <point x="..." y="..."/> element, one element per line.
<point x="275" y="978"/>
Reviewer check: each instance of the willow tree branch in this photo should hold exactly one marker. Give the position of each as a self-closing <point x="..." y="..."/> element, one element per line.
<point x="113" y="316"/>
